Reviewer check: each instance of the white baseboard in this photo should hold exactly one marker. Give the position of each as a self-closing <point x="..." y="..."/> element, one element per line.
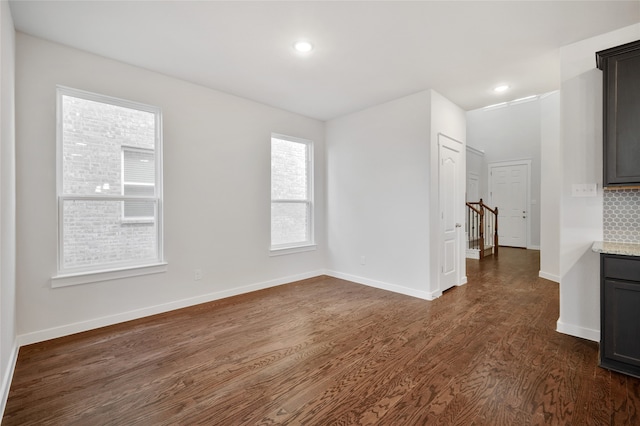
<point x="533" y="248"/>
<point x="65" y="330"/>
<point x="577" y="331"/>
<point x="464" y="281"/>
<point x="385" y="286"/>
<point x="550" y="277"/>
<point x="7" y="377"/>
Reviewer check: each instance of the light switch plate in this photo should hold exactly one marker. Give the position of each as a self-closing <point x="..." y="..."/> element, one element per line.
<point x="584" y="190"/>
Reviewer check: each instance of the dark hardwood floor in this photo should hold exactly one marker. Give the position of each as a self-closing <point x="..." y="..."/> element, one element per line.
<point x="326" y="351"/>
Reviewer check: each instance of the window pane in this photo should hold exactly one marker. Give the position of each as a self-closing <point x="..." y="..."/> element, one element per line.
<point x="139" y="209"/>
<point x="289" y="223"/>
<point x="95" y="235"/>
<point x="288" y="170"/>
<point x="139" y="190"/>
<point x="139" y="166"/>
<point x="93" y="134"/>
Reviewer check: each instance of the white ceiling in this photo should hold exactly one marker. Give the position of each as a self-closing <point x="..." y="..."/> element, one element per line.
<point x="367" y="52"/>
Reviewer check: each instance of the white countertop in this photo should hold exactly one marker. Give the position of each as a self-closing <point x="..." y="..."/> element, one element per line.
<point x="606" y="247"/>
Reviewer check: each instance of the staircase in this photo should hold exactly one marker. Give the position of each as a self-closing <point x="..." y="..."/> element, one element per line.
<point x="482" y="230"/>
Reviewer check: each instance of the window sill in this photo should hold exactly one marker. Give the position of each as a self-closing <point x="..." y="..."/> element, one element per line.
<point x="140" y="221"/>
<point x="291" y="250"/>
<point x="66" y="280"/>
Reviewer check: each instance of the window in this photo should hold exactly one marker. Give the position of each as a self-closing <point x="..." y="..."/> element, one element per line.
<point x="108" y="184"/>
<point x="291" y="193"/>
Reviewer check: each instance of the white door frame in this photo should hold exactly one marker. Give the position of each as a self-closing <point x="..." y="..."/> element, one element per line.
<point x="525" y="162"/>
<point x="460" y="249"/>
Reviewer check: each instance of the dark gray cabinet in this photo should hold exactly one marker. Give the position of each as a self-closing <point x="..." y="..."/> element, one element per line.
<point x="621" y="86"/>
<point x="620" y="313"/>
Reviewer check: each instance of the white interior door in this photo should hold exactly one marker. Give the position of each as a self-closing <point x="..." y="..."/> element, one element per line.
<point x="451" y="204"/>
<point x="509" y="191"/>
<point x="473" y="187"/>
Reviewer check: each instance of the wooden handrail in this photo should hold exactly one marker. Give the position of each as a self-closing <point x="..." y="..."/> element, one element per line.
<point x="473" y="208"/>
<point x="480" y="212"/>
<point x="494" y="211"/>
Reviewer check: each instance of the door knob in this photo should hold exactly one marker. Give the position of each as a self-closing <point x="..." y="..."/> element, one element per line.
<point x="458" y="225"/>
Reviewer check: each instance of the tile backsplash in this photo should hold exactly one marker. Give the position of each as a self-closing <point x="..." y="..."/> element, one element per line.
<point x="621" y="216"/>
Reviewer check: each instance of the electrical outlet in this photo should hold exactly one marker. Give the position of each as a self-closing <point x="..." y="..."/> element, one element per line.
<point x="363" y="260"/>
<point x="197" y="274"/>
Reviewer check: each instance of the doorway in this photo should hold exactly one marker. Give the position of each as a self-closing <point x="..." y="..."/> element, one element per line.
<point x="509" y="190"/>
<point x="473" y="187"/>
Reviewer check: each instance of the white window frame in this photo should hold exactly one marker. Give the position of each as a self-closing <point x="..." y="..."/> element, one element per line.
<point x="102" y="272"/>
<point x="133" y="219"/>
<point x="309" y="244"/>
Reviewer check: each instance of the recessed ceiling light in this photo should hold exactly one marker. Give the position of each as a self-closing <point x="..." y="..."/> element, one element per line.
<point x="501" y="88"/>
<point x="303" y="46"/>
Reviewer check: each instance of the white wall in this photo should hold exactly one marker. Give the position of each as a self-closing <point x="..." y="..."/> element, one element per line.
<point x="8" y="344"/>
<point x="216" y="193"/>
<point x="378" y="195"/>
<point x="549" y="188"/>
<point x="382" y="196"/>
<point x="581" y="162"/>
<point x="510" y="133"/>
